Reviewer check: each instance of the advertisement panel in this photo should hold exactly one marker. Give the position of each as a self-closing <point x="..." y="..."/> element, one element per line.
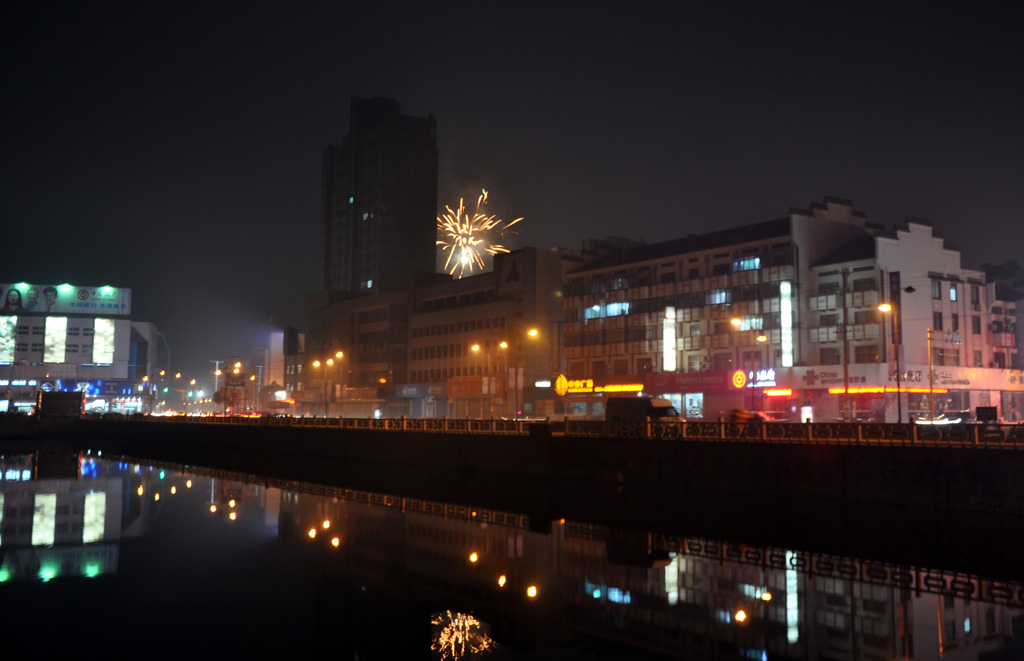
<point x="27" y="298"/>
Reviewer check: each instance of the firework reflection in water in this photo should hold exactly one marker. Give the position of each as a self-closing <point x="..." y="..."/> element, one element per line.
<point x="459" y="635"/>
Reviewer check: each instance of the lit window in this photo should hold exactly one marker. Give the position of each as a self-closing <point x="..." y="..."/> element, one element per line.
<point x="617" y="309"/>
<point x="747" y="264"/>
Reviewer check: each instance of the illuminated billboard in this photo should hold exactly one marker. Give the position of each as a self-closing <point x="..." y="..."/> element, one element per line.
<point x="8" y="336"/>
<point x="55" y="341"/>
<point x="26" y="298"/>
<point x="103" y="341"/>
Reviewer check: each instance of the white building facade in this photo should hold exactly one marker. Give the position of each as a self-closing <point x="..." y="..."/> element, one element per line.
<point x="783" y="317"/>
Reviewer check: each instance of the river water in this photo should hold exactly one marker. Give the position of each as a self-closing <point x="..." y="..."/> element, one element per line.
<point x="122" y="557"/>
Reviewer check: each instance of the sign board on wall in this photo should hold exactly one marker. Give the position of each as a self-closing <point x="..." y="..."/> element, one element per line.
<point x="28" y="298"/>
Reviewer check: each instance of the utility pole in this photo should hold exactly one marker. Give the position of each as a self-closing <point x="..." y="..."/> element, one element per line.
<point x="259" y="385"/>
<point x="931" y="379"/>
<point x="846" y="353"/>
<point x="216" y="375"/>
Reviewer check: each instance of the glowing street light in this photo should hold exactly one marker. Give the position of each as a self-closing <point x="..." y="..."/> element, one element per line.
<point x="760" y="338"/>
<point x="887" y="308"/>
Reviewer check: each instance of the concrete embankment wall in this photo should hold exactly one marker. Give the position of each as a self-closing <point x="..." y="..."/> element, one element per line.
<point x="982" y="480"/>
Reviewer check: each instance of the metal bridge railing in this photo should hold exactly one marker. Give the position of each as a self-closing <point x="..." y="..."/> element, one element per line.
<point x="833" y="433"/>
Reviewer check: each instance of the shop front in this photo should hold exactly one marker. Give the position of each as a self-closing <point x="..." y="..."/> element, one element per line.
<point x="425" y="400"/>
<point x="584" y="399"/>
<point x="874" y="393"/>
<point x="473" y="397"/>
<point x="714" y="395"/>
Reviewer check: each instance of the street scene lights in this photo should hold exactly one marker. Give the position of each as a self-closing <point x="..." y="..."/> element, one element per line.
<point x="514" y="375"/>
<point x="488" y="371"/>
<point x="325" y="383"/>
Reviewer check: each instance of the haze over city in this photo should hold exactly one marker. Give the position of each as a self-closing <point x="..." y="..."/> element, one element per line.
<point x="177" y="152"/>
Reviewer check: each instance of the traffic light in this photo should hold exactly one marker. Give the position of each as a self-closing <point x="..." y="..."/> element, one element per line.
<point x="166" y="388"/>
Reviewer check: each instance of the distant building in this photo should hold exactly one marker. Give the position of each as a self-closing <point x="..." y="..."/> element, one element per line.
<point x="378" y="199"/>
<point x="356" y="350"/>
<point x="485" y="346"/>
<point x="71" y="338"/>
<point x="783" y="317"/>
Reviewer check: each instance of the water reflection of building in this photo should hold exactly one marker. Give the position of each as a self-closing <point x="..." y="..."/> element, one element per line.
<point x="680" y="597"/>
<point x="382" y="563"/>
<point x="713" y="599"/>
<point x="65" y="514"/>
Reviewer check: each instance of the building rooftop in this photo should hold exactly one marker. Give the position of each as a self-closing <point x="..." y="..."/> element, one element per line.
<point x="693" y="243"/>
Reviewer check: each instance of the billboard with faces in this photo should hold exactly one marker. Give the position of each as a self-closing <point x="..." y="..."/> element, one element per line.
<point x="27" y="298"/>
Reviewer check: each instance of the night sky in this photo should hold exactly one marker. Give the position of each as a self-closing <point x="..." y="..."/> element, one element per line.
<point x="175" y="148"/>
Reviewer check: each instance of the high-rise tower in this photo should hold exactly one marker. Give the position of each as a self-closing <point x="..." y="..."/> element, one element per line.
<point x="378" y="207"/>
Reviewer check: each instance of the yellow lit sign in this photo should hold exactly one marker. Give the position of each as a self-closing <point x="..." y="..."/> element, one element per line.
<point x="620" y="387"/>
<point x="739" y="379"/>
<point x="564" y="386"/>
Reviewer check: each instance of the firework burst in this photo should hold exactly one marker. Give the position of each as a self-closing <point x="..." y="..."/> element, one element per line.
<point x="468" y="238"/>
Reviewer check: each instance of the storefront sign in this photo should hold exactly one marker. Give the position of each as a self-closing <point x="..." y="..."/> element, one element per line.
<point x="683" y="382"/>
<point x="564" y="386"/>
<point x="415" y="390"/>
<point x="762" y="378"/>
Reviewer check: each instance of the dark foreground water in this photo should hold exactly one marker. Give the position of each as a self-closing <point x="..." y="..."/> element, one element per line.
<point x="113" y="557"/>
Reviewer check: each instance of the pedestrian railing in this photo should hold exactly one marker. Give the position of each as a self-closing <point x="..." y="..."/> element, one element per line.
<point x="842" y="433"/>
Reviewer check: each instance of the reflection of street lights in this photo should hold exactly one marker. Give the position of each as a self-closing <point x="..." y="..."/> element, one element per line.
<point x="754" y="341"/>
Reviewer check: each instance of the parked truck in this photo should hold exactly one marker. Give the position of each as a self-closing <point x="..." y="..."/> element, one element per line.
<point x="55" y="405"/>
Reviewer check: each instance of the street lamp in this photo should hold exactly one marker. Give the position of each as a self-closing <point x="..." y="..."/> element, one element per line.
<point x="760" y="338"/>
<point x="325" y="382"/>
<point x="476" y="348"/>
<point x="887" y="308"/>
<point x="532" y="334"/>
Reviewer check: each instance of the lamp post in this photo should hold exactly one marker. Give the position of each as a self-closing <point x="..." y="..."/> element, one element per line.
<point x="325" y="381"/>
<point x="887" y="307"/>
<point x="931" y="380"/>
<point x="476" y="348"/>
<point x="489" y="370"/>
<point x="323" y="388"/>
<point x="521" y="366"/>
<point x="760" y="338"/>
<point x="504" y="351"/>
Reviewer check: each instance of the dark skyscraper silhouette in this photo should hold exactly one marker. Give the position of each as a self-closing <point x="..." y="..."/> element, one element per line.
<point x="378" y="206"/>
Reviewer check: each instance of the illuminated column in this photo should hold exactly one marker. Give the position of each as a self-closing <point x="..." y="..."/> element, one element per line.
<point x="786" y="314"/>
<point x="668" y="340"/>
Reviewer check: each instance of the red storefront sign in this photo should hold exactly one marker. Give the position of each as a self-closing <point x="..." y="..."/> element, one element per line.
<point x="683" y="382"/>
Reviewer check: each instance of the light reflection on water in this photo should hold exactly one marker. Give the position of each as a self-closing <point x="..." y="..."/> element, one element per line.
<point x="115" y="553"/>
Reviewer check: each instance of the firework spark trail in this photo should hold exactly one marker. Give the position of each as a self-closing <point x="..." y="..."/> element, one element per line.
<point x="468" y="238"/>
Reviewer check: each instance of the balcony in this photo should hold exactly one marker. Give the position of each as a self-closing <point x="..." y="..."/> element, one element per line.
<point x="835" y="333"/>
